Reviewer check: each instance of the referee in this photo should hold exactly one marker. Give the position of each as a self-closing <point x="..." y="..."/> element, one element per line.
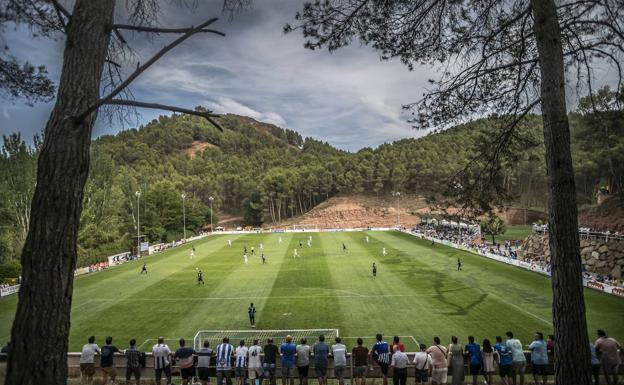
<point x="252" y="315"/>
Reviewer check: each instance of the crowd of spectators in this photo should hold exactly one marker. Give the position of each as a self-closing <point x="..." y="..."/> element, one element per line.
<point x="507" y="358"/>
<point x="584" y="232"/>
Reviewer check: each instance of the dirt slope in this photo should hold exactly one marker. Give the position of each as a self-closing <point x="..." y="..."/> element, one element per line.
<point x="609" y="215"/>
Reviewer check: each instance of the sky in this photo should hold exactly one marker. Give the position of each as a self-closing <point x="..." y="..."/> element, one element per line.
<point x="349" y="98"/>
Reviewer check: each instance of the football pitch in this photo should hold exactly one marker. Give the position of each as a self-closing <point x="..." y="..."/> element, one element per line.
<point x="417" y="294"/>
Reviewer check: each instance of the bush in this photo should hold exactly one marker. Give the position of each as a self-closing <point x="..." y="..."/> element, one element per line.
<point x="10" y="270"/>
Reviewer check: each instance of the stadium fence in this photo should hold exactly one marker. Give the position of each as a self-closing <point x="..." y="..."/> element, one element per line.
<point x="216" y="336"/>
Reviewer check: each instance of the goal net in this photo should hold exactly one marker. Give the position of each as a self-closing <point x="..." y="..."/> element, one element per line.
<point x="215" y="337"/>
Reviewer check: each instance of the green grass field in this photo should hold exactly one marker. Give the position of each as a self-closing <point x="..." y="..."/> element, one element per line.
<point x="514" y="232"/>
<point x="417" y="294"/>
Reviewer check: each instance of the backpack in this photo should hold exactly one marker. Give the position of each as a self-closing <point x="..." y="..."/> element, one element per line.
<point x="142" y="360"/>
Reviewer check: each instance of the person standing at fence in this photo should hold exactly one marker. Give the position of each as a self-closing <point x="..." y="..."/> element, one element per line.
<point x="133" y="363"/>
<point x="381" y="355"/>
<point x="438" y="361"/>
<point x="241" y="362"/>
<point x="422" y="362"/>
<point x="106" y="361"/>
<point x="607" y="349"/>
<point x="397" y="342"/>
<point x="359" y="355"/>
<point x="225" y="351"/>
<point x="184" y="356"/>
<point x="321" y="351"/>
<point x="270" y="360"/>
<point x="303" y="361"/>
<point x="203" y="363"/>
<point x="399" y="366"/>
<point x="488" y="358"/>
<point x="254" y="364"/>
<point x="162" y="355"/>
<point x="87" y="360"/>
<point x="456" y="358"/>
<point x="505" y="361"/>
<point x="339" y="351"/>
<point x="519" y="360"/>
<point x="474" y="353"/>
<point x="539" y="358"/>
<point x="288" y="351"/>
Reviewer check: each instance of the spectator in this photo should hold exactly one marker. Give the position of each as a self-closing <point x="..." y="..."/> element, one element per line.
<point x="505" y="361"/>
<point x="607" y="349"/>
<point x="87" y="360"/>
<point x="270" y="360"/>
<point x="162" y="355"/>
<point x="518" y="358"/>
<point x="399" y="366"/>
<point x="184" y="356"/>
<point x="422" y="362"/>
<point x="321" y="351"/>
<point x="106" y="361"/>
<point x="339" y="351"/>
<point x="456" y="359"/>
<point x="550" y="344"/>
<point x="359" y="355"/>
<point x="225" y="351"/>
<point x="474" y="353"/>
<point x="396" y="342"/>
<point x="288" y="350"/>
<point x="241" y="362"/>
<point x="381" y="355"/>
<point x="488" y="358"/>
<point x="254" y="364"/>
<point x="203" y="363"/>
<point x="303" y="361"/>
<point x="6" y="349"/>
<point x="595" y="364"/>
<point x="539" y="358"/>
<point x="438" y="361"/>
<point x="133" y="363"/>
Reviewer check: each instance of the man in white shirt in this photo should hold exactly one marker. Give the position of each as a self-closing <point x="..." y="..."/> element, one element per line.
<point x="241" y="362"/>
<point x="87" y="360"/>
<point x="162" y="360"/>
<point x="399" y="366"/>
<point x="254" y="364"/>
<point x="339" y="351"/>
<point x="422" y="362"/>
<point x="517" y="354"/>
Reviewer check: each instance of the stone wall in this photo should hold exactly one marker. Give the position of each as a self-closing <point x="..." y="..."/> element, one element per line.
<point x="599" y="257"/>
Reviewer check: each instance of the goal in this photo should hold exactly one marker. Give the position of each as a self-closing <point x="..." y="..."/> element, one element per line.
<point x="215" y="337"/>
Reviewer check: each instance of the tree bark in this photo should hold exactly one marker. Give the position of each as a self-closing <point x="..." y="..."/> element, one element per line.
<point x="41" y="328"/>
<point x="572" y="356"/>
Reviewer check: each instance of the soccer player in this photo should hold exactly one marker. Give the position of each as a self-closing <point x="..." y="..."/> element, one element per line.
<point x="241" y="362"/>
<point x="229" y="242"/>
<point x="344" y="248"/>
<point x="203" y="363"/>
<point x="374" y="270"/>
<point x="184" y="356"/>
<point x="245" y="258"/>
<point x="367" y="239"/>
<point x="245" y="249"/>
<point x="279" y="240"/>
<point x="381" y="355"/>
<point x="255" y="363"/>
<point x="200" y="278"/>
<point x="309" y="243"/>
<point x="263" y="259"/>
<point x="144" y="268"/>
<point x="192" y="252"/>
<point x="383" y="252"/>
<point x="162" y="354"/>
<point x="261" y="246"/>
<point x="295" y="254"/>
<point x="459" y="264"/>
<point x="225" y="351"/>
<point x="251" y="311"/>
<point x="253" y="250"/>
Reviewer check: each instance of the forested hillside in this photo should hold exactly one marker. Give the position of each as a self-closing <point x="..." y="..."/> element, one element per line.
<point x="267" y="174"/>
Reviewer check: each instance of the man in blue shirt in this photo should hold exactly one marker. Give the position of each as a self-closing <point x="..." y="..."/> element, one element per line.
<point x="474" y="352"/>
<point x="225" y="352"/>
<point x="381" y="354"/>
<point x="321" y="351"/>
<point x="539" y="357"/>
<point x="505" y="361"/>
<point x="288" y="351"/>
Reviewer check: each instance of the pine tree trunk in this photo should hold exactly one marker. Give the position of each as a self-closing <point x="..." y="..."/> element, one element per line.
<point x="572" y="356"/>
<point x="41" y="328"/>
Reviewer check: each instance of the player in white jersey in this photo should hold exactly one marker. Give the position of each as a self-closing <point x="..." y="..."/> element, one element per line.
<point x="192" y="253"/>
<point x="245" y="258"/>
<point x="309" y="243"/>
<point x="279" y="240"/>
<point x="383" y="252"/>
<point x="241" y="362"/>
<point x="310" y="238"/>
<point x="367" y="239"/>
<point x="230" y="242"/>
<point x="295" y="254"/>
<point x="261" y="246"/>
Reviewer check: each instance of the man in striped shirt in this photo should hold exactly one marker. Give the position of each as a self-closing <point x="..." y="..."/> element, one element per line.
<point x="381" y="354"/>
<point x="203" y="363"/>
<point x="241" y="362"/>
<point x="225" y="351"/>
<point x="162" y="363"/>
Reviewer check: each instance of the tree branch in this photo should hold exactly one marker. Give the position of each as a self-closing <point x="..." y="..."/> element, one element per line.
<point x="140" y="69"/>
<point x="139" y="28"/>
<point x="156" y="106"/>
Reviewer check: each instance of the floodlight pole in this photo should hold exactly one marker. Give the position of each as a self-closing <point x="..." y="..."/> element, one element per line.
<point x="184" y="215"/>
<point x="138" y="196"/>
<point x="211" y="199"/>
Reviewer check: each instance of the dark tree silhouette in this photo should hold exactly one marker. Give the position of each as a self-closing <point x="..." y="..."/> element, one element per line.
<point x="95" y="50"/>
<point x="508" y="57"/>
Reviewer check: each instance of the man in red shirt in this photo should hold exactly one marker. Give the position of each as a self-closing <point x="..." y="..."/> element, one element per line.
<point x="395" y="342"/>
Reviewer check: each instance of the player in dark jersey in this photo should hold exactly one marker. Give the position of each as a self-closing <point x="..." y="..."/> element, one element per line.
<point x="144" y="269"/>
<point x="252" y="315"/>
<point x="263" y="259"/>
<point x="200" y="278"/>
<point x="300" y="244"/>
<point x="374" y="270"/>
<point x="459" y="264"/>
<point x="245" y="249"/>
<point x="344" y="248"/>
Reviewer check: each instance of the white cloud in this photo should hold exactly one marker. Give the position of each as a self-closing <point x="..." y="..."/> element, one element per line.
<point x="225" y="105"/>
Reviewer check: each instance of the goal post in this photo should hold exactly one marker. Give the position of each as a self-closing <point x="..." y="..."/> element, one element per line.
<point x="215" y="337"/>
